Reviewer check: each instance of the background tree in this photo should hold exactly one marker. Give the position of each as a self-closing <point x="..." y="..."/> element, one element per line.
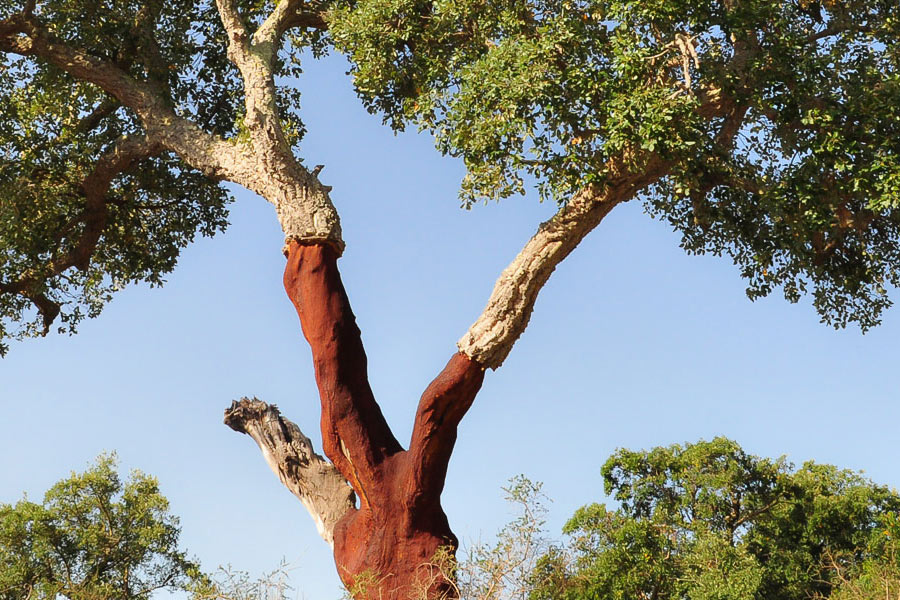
<point x="697" y="108"/>
<point x="708" y="520"/>
<point x="878" y="575"/>
<point x="94" y="537"/>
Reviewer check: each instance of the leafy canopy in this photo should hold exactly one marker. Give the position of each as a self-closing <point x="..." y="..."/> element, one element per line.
<point x="770" y="129"/>
<point x="776" y="124"/>
<point x="64" y="252"/>
<point x="94" y="536"/>
<point x="707" y="521"/>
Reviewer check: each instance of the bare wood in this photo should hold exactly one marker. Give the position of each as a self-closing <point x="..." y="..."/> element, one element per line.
<point x="443" y="405"/>
<point x="290" y="454"/>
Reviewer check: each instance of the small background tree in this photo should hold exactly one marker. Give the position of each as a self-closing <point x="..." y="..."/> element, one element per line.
<point x="94" y="537"/>
<point x="699" y="521"/>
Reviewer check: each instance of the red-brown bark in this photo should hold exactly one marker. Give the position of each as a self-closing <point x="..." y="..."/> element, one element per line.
<point x="355" y="435"/>
<point x="400" y="522"/>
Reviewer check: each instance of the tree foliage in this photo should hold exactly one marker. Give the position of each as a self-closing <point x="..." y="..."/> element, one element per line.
<point x="877" y="577"/>
<point x="775" y="124"/>
<point x="768" y="130"/>
<point x="87" y="204"/>
<point x="707" y="521"/>
<point x="94" y="537"/>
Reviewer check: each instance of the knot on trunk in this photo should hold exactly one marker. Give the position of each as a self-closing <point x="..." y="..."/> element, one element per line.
<point x="247" y="410"/>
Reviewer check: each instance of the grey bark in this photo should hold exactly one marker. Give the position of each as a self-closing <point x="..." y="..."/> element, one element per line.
<point x="303" y="205"/>
<point x="266" y="166"/>
<point x="310" y="477"/>
<point x="490" y="339"/>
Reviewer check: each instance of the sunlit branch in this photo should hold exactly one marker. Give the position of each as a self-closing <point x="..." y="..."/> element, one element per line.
<point x="204" y="151"/>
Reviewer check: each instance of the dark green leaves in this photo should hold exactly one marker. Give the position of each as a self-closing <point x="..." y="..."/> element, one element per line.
<point x="76" y="223"/>
<point x="69" y="244"/>
<point x="177" y="46"/>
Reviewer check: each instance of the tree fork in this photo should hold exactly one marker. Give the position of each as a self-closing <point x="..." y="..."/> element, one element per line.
<point x="393" y="535"/>
<point x="399" y="525"/>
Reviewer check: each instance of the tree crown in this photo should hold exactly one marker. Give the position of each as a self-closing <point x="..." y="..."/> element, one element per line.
<point x="764" y="130"/>
<point x="774" y="124"/>
<point x="708" y="520"/>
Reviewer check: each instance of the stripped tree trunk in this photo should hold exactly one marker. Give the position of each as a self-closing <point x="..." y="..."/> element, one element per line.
<point x="384" y="546"/>
<point x="399" y="523"/>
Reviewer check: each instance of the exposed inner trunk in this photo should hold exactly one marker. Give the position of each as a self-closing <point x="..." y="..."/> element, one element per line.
<point x="383" y="548"/>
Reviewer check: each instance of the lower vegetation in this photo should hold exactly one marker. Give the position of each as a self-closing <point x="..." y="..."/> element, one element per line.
<point x="702" y="521"/>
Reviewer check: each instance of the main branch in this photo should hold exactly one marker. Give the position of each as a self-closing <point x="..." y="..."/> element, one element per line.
<point x="269" y="169"/>
<point x="490" y="339"/>
<point x="207" y="153"/>
<point x="90" y="222"/>
<point x="443" y="405"/>
<point x="354" y="432"/>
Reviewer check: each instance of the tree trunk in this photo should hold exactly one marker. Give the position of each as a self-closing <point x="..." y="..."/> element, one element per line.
<point x="384" y="547"/>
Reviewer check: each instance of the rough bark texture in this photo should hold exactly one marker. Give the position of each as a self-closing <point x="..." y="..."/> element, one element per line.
<point x="490" y="339"/>
<point x="302" y="202"/>
<point x="311" y="478"/>
<point x="267" y="167"/>
<point x="399" y="524"/>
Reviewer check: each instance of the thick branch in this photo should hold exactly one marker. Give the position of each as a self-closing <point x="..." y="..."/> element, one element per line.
<point x="238" y="36"/>
<point x="286" y="15"/>
<point x="490" y="339"/>
<point x="312" y="19"/>
<point x="93" y="119"/>
<point x="209" y="154"/>
<point x="731" y="125"/>
<point x="303" y="204"/>
<point x="441" y="408"/>
<point x="315" y="481"/>
<point x="277" y="22"/>
<point x="492" y="336"/>
<point x="355" y="435"/>
<point x="255" y="62"/>
<point x="839" y="29"/>
<point x="306" y="212"/>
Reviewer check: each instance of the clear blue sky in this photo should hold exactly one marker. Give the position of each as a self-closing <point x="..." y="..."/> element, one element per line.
<point x="632" y="344"/>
